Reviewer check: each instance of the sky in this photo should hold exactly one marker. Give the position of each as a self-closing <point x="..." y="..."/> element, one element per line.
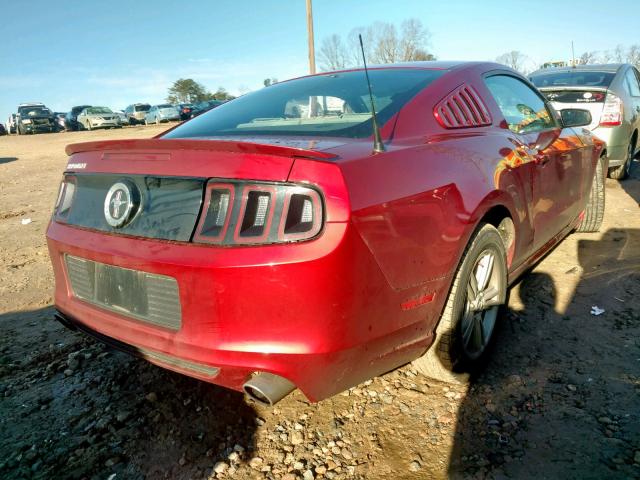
<point x="118" y="52"/>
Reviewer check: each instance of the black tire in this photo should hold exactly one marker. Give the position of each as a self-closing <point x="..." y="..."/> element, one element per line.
<point x="622" y="171"/>
<point x="594" y="211"/>
<point x="450" y="358"/>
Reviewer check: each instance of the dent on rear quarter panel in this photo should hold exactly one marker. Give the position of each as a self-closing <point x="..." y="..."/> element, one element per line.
<point x="417" y="207"/>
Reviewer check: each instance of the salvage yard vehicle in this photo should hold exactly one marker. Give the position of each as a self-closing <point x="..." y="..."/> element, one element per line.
<point x="161" y="113"/>
<point x="612" y="94"/>
<point x="98" y="117"/>
<point x="135" y="113"/>
<point x="35" y="118"/>
<point x="71" y="119"/>
<point x="11" y="124"/>
<point x="309" y="235"/>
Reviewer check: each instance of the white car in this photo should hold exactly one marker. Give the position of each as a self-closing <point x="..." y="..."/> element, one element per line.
<point x="98" y="117"/>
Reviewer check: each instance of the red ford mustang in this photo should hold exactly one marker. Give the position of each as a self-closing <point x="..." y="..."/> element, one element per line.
<point x="266" y="245"/>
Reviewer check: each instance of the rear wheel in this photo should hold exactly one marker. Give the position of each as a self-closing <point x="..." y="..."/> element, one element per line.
<point x="594" y="211"/>
<point x="465" y="332"/>
<point x="622" y="171"/>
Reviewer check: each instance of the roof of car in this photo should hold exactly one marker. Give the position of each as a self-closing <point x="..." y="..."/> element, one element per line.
<point x="605" y="67"/>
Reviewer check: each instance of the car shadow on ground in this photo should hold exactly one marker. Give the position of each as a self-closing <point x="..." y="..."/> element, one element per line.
<point x="632" y="184"/>
<point x="87" y="410"/>
<point x="7" y="159"/>
<point x="586" y="366"/>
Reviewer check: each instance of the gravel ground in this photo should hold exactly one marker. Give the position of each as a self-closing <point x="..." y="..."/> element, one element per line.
<point x="559" y="399"/>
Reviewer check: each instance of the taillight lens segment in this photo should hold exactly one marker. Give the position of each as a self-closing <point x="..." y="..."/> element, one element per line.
<point x="612" y="111"/>
<point x="66" y="196"/>
<point x="237" y="213"/>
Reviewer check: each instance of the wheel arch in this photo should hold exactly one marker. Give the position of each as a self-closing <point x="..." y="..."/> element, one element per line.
<point x="498" y="209"/>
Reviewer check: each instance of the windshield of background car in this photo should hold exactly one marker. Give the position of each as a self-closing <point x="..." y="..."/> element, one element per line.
<point x="33" y="111"/>
<point x="95" y="110"/>
<point x="335" y="104"/>
<point x="142" y="108"/>
<point x="166" y="105"/>
<point x="576" y="78"/>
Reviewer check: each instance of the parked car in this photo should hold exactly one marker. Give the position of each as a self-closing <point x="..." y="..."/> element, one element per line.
<point x="186" y="110"/>
<point x="11" y="124"/>
<point x="98" y="117"/>
<point x="3" y="130"/>
<point x="612" y="94"/>
<point x="326" y="251"/>
<point x="123" y="118"/>
<point x="71" y="119"/>
<point x="135" y="113"/>
<point x="60" y="120"/>
<point x="35" y="118"/>
<point x="201" y="107"/>
<point x="161" y="113"/>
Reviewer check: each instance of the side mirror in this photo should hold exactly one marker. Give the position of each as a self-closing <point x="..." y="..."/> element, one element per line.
<point x="575" y="117"/>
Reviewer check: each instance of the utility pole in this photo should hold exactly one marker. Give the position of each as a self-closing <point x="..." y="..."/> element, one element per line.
<point x="312" y="52"/>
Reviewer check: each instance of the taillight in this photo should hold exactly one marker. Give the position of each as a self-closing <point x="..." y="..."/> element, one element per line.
<point x="248" y="213"/>
<point x="612" y="111"/>
<point x="66" y="196"/>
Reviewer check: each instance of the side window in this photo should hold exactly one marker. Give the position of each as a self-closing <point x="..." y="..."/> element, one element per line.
<point x="632" y="83"/>
<point x="522" y="107"/>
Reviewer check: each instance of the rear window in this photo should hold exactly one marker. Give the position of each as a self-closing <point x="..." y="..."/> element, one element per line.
<point x="574" y="78"/>
<point x="335" y="104"/>
<point x="142" y="108"/>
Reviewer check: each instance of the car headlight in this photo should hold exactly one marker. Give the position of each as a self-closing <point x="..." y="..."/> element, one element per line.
<point x="26" y="121"/>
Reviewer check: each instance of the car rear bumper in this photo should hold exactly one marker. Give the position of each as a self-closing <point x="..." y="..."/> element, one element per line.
<point x="318" y="313"/>
<point x="617" y="140"/>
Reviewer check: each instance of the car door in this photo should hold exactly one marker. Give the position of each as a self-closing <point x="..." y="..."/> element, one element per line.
<point x="80" y="119"/>
<point x="558" y="155"/>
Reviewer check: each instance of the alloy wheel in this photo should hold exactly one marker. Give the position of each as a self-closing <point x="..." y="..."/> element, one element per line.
<point x="484" y="293"/>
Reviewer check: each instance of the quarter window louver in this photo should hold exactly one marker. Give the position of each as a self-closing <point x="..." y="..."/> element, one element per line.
<point x="462" y="108"/>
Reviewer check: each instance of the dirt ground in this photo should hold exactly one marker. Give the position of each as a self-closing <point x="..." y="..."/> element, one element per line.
<point x="560" y="397"/>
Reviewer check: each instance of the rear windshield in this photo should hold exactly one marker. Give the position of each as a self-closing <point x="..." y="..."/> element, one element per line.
<point x="166" y="105"/>
<point x="142" y="108"/>
<point x="575" y="78"/>
<point x="335" y="104"/>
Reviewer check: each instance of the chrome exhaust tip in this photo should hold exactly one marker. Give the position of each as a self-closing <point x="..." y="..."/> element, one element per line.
<point x="267" y="388"/>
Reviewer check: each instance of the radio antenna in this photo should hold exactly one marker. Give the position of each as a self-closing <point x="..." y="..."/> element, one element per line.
<point x="378" y="146"/>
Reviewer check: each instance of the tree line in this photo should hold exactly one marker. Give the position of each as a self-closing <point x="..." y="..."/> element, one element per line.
<point x="383" y="43"/>
<point x="386" y="43"/>
<point x="187" y="90"/>
<point x="518" y="60"/>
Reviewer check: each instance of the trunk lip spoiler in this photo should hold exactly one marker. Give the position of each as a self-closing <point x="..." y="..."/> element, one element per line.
<point x="155" y="144"/>
<point x="574" y="88"/>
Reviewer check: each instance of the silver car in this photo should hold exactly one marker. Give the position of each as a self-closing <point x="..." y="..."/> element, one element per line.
<point x="98" y="117"/>
<point x="611" y="93"/>
<point x="161" y="113"/>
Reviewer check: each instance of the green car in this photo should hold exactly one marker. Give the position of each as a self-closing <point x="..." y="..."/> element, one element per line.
<point x="611" y="93"/>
